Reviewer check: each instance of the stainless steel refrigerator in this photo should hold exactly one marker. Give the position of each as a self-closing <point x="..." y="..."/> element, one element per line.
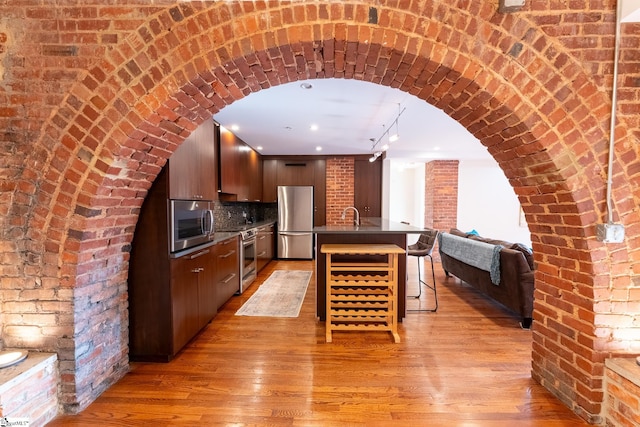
<point x="295" y="222"/>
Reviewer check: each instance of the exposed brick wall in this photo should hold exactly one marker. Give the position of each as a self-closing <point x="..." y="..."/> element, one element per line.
<point x="95" y="97"/>
<point x="441" y="194"/>
<point x="340" y="189"/>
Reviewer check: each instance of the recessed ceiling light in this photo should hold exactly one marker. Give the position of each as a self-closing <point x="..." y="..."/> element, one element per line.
<point x="259" y="147"/>
<point x="318" y="148"/>
<point x="235" y="127"/>
<point x="306" y="85"/>
<point x="314" y="127"/>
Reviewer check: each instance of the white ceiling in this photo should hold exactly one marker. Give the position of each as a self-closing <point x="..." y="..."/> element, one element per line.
<point x="351" y="115"/>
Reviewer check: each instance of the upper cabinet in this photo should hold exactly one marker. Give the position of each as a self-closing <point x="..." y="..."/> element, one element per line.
<point x="296" y="170"/>
<point x="270" y="180"/>
<point x="252" y="188"/>
<point x="368" y="187"/>
<point x="320" y="192"/>
<point x="192" y="168"/>
<point x="240" y="169"/>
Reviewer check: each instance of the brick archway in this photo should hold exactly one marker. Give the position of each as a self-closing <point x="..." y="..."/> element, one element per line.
<point x="522" y="95"/>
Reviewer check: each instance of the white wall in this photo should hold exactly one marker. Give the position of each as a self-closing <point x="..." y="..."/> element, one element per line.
<point x="488" y="204"/>
<point x="486" y="201"/>
<point x="405" y="195"/>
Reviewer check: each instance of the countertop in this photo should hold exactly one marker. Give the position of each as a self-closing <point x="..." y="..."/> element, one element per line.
<point x="369" y="226"/>
<point x="221" y="236"/>
<point x="244" y="227"/>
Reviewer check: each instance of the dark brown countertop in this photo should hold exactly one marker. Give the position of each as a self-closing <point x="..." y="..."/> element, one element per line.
<point x="369" y="226"/>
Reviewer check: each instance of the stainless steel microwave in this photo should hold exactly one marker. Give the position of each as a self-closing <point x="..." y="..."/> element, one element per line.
<point x="191" y="223"/>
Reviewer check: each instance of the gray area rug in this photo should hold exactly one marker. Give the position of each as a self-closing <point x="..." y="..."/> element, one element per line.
<point x="281" y="295"/>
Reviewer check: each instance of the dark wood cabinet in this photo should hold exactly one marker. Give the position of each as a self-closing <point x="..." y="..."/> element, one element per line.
<point x="170" y="299"/>
<point x="207" y="290"/>
<point x="309" y="170"/>
<point x="230" y="163"/>
<point x="320" y="193"/>
<point x="227" y="277"/>
<point x="192" y="294"/>
<point x="270" y="180"/>
<point x="252" y="190"/>
<point x="240" y="169"/>
<point x="192" y="167"/>
<point x="296" y="172"/>
<point x="368" y="187"/>
<point x="265" y="245"/>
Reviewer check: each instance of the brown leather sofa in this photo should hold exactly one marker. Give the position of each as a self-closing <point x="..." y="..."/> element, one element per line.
<point x="516" y="283"/>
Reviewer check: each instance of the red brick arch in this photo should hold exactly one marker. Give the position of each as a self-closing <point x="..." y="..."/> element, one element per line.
<point x="529" y="102"/>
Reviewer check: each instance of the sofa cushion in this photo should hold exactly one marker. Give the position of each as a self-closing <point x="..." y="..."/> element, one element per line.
<point x="457" y="232"/>
<point x="491" y="241"/>
<point x="528" y="254"/>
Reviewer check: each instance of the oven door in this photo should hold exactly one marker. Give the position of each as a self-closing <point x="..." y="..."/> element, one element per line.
<point x="191" y="223"/>
<point x="248" y="259"/>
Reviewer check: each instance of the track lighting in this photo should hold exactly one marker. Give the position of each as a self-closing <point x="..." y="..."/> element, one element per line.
<point x="375" y="156"/>
<point x="385" y="133"/>
<point x="394" y="137"/>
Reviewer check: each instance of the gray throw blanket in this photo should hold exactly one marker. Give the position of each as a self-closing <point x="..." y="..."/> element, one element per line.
<point x="484" y="256"/>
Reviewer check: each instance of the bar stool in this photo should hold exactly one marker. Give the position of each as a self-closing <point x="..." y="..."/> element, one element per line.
<point x="421" y="249"/>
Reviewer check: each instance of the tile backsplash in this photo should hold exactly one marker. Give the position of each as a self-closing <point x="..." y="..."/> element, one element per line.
<point x="229" y="215"/>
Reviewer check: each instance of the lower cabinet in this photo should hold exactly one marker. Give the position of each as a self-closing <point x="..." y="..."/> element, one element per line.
<point x="227" y="277"/>
<point x="265" y="245"/>
<point x="167" y="310"/>
<point x="193" y="295"/>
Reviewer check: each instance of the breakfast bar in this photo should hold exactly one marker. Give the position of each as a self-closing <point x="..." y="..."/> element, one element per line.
<point x="371" y="231"/>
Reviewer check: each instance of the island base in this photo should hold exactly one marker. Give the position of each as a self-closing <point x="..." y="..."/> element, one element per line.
<point x="397" y="239"/>
<point x="362" y="294"/>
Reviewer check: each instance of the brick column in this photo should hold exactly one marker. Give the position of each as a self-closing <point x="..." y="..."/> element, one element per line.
<point x="441" y="194"/>
<point x="441" y="197"/>
<point x="340" y="187"/>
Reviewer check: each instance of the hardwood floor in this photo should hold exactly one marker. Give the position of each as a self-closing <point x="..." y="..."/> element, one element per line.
<point x="466" y="365"/>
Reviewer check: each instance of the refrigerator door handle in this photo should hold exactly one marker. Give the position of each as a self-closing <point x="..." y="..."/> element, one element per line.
<point x="294" y="233"/>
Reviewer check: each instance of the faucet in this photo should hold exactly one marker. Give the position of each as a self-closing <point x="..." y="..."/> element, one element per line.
<point x="357" y="220"/>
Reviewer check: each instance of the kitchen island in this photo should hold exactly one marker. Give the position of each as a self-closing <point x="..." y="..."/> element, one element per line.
<point x="370" y="231"/>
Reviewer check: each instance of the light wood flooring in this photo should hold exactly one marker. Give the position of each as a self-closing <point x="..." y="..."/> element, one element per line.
<point x="466" y="365"/>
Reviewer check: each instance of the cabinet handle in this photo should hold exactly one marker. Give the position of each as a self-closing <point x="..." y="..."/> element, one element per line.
<point x="228" y="278"/>
<point x="199" y="254"/>
<point x="262" y="237"/>
<point x="197" y="270"/>
<point x="228" y="254"/>
<point x="263" y="253"/>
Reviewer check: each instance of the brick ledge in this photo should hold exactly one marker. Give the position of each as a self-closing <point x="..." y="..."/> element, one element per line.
<point x="625" y="367"/>
<point x="11" y="375"/>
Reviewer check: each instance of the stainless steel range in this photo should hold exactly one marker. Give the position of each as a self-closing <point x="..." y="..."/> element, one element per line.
<point x="248" y="258"/>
